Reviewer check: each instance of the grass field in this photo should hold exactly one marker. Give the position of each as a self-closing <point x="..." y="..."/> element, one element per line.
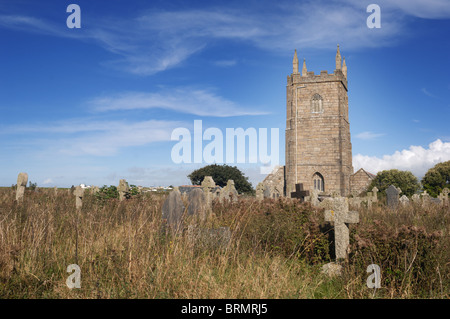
<point x="277" y="249"/>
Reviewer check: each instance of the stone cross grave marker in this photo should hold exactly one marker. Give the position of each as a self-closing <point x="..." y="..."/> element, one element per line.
<point x="392" y="193"/>
<point x="173" y="209"/>
<point x="341" y="217"/>
<point x="123" y="189"/>
<point x="22" y="180"/>
<point x="78" y="192"/>
<point x="299" y="192"/>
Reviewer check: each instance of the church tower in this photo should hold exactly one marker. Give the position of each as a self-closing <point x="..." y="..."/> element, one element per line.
<point x="318" y="145"/>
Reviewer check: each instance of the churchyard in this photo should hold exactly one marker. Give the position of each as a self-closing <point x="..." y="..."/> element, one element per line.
<point x="210" y="242"/>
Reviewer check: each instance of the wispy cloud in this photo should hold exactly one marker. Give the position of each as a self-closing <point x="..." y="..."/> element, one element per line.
<point x="80" y="137"/>
<point x="158" y="40"/>
<point x="415" y="159"/>
<point x="425" y="91"/>
<point x="368" y="135"/>
<point x="197" y="102"/>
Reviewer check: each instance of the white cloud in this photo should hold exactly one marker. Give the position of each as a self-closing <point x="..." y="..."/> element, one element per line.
<point x="99" y="138"/>
<point x="197" y="102"/>
<point x="368" y="135"/>
<point x="415" y="159"/>
<point x="48" y="181"/>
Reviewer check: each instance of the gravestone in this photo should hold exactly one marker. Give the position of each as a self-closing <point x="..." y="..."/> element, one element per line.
<point x="229" y="192"/>
<point x="55" y="190"/>
<point x="197" y="205"/>
<point x="78" y="192"/>
<point x="260" y="191"/>
<point x="22" y="180"/>
<point x="415" y="198"/>
<point x="299" y="192"/>
<point x="404" y="200"/>
<point x="374" y="194"/>
<point x="341" y="217"/>
<point x="426" y="200"/>
<point x="314" y="198"/>
<point x="392" y="193"/>
<point x="443" y="196"/>
<point x="208" y="186"/>
<point x="123" y="189"/>
<point x="173" y="209"/>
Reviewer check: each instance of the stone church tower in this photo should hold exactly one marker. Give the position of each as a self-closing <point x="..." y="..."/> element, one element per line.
<point x="318" y="145"/>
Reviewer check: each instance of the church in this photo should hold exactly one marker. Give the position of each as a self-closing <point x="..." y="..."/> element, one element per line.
<point x="318" y="143"/>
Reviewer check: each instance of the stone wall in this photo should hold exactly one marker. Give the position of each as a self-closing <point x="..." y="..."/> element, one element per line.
<point x="360" y="181"/>
<point x="318" y="134"/>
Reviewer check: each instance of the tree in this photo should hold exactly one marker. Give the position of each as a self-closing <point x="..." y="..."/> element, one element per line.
<point x="405" y="180"/>
<point x="221" y="174"/>
<point x="437" y="178"/>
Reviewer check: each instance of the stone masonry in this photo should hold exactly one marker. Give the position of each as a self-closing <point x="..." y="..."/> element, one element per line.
<point x="318" y="146"/>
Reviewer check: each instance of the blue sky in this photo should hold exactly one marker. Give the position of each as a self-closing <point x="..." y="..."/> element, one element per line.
<point x="97" y="104"/>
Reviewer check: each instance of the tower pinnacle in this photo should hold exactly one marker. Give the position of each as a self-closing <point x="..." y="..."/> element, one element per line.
<point x="344" y="68"/>
<point x="304" y="70"/>
<point x="338" y="59"/>
<point x="295" y="63"/>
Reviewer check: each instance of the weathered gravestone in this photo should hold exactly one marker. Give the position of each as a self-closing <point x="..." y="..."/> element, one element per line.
<point x="173" y="209"/>
<point x="426" y="200"/>
<point x="404" y="200"/>
<point x="314" y="198"/>
<point x="267" y="192"/>
<point x="392" y="193"/>
<point x="55" y="191"/>
<point x="229" y="192"/>
<point x="260" y="191"/>
<point x="299" y="193"/>
<point x="208" y="186"/>
<point x="22" y="180"/>
<point x="123" y="189"/>
<point x="198" y="206"/>
<point x="341" y="217"/>
<point x="443" y="196"/>
<point x="78" y="192"/>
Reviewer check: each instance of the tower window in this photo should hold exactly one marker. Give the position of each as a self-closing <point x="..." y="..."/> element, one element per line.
<point x="318" y="182"/>
<point x="316" y="104"/>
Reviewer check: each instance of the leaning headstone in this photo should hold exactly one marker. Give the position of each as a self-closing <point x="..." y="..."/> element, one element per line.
<point x="341" y="216"/>
<point x="123" y="189"/>
<point x="229" y="192"/>
<point x="78" y="192"/>
<point x="197" y="205"/>
<point x="22" y="181"/>
<point x="404" y="200"/>
<point x="173" y="209"/>
<point x="392" y="193"/>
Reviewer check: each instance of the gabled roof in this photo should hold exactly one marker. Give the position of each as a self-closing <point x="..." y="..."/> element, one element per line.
<point x="371" y="176"/>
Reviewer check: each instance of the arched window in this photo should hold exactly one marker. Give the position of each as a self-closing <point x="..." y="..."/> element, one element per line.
<point x="316" y="104"/>
<point x="318" y="182"/>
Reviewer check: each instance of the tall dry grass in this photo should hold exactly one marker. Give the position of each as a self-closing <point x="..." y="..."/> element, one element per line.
<point x="276" y="251"/>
